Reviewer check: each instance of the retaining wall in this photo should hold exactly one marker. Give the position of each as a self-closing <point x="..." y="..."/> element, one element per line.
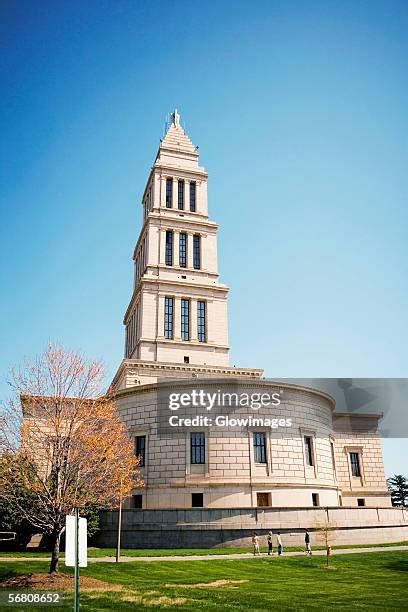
<point x="221" y="527"/>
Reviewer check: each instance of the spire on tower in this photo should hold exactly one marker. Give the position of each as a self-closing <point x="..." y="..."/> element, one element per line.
<point x="176" y="140"/>
<point x="175" y="118"/>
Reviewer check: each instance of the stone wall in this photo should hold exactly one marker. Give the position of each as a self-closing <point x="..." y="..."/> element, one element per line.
<point x="202" y="528"/>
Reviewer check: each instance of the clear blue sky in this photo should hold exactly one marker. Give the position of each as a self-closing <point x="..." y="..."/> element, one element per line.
<point x="300" y="113"/>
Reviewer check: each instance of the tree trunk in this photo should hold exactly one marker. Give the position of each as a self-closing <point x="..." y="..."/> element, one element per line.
<point x="55" y="544"/>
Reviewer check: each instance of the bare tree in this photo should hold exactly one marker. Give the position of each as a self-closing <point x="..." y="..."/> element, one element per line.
<point x="325" y="533"/>
<point x="63" y="445"/>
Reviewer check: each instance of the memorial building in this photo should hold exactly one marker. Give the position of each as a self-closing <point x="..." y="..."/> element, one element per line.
<point x="176" y="333"/>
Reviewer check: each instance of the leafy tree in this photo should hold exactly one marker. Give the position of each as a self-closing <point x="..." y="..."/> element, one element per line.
<point x="398" y="485"/>
<point x="63" y="445"/>
<point x="91" y="513"/>
<point x="11" y="520"/>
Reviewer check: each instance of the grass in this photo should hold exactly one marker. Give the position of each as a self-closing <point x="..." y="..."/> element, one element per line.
<point x="181" y="552"/>
<point x="361" y="581"/>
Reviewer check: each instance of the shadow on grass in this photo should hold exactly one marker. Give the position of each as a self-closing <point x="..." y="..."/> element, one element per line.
<point x="400" y="566"/>
<point x="6" y="572"/>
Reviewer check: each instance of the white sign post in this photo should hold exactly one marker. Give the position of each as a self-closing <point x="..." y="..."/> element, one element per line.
<point x="76" y="548"/>
<point x="70" y="542"/>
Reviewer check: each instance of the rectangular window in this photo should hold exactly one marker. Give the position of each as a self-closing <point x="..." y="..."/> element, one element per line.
<point x="315" y="499"/>
<point x="197" y="252"/>
<point x="169" y="248"/>
<point x="201" y="331"/>
<point x="183" y="250"/>
<point x="197" y="500"/>
<point x="263" y="500"/>
<point x="259" y="447"/>
<point x="137" y="501"/>
<point x="180" y="200"/>
<point x="140" y="449"/>
<point x="355" y="464"/>
<point x="185" y="319"/>
<point x="168" y="318"/>
<point x="309" y="450"/>
<point x="192" y="197"/>
<point x="169" y="193"/>
<point x="197" y="448"/>
<point x="360" y="501"/>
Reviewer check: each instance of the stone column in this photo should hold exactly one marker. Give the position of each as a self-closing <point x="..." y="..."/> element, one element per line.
<point x="189" y="250"/>
<point x="175" y="192"/>
<point x="201" y="205"/>
<point x="176" y="247"/>
<point x="162" y="195"/>
<point x="186" y="195"/>
<point x="193" y="319"/>
<point x="160" y="317"/>
<point x="177" y="319"/>
<point x="162" y="238"/>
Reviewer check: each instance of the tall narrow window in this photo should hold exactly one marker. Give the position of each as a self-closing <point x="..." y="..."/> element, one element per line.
<point x="355" y="464"/>
<point x="197" y="252"/>
<point x="169" y="248"/>
<point x="309" y="450"/>
<point x="259" y="447"/>
<point x="127" y="343"/>
<point x="183" y="250"/>
<point x="169" y="193"/>
<point x="180" y="200"/>
<point x="197" y="447"/>
<point x="185" y="319"/>
<point x="201" y="331"/>
<point x="168" y="317"/>
<point x="192" y="197"/>
<point x="140" y="449"/>
<point x="333" y="456"/>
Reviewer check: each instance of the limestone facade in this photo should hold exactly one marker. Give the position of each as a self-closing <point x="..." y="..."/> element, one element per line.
<point x="176" y="258"/>
<point x="230" y="475"/>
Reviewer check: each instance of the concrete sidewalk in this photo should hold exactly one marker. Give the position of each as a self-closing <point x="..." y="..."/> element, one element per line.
<point x="209" y="557"/>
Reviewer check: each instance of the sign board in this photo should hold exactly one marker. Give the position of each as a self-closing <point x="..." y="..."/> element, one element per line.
<point x="70" y="542"/>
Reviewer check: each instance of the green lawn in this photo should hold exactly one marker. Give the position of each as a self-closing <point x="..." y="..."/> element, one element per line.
<point x="361" y="581"/>
<point x="167" y="552"/>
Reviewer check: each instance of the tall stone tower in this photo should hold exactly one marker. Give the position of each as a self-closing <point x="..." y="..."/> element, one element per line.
<point x="178" y="310"/>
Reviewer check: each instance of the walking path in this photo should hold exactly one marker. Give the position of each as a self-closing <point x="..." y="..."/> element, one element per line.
<point x="209" y="557"/>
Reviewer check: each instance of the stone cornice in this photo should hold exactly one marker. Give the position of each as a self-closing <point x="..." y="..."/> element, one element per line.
<point x="180" y="169"/>
<point x="355" y="422"/>
<point x="245" y="376"/>
<point x="155" y="281"/>
<point x="220" y="373"/>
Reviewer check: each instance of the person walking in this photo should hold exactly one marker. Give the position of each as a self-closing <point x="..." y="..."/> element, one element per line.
<point x="255" y="544"/>
<point x="270" y="545"/>
<point x="280" y="547"/>
<point x="308" y="550"/>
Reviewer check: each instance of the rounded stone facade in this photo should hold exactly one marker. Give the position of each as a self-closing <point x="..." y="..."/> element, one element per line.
<point x="246" y="466"/>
